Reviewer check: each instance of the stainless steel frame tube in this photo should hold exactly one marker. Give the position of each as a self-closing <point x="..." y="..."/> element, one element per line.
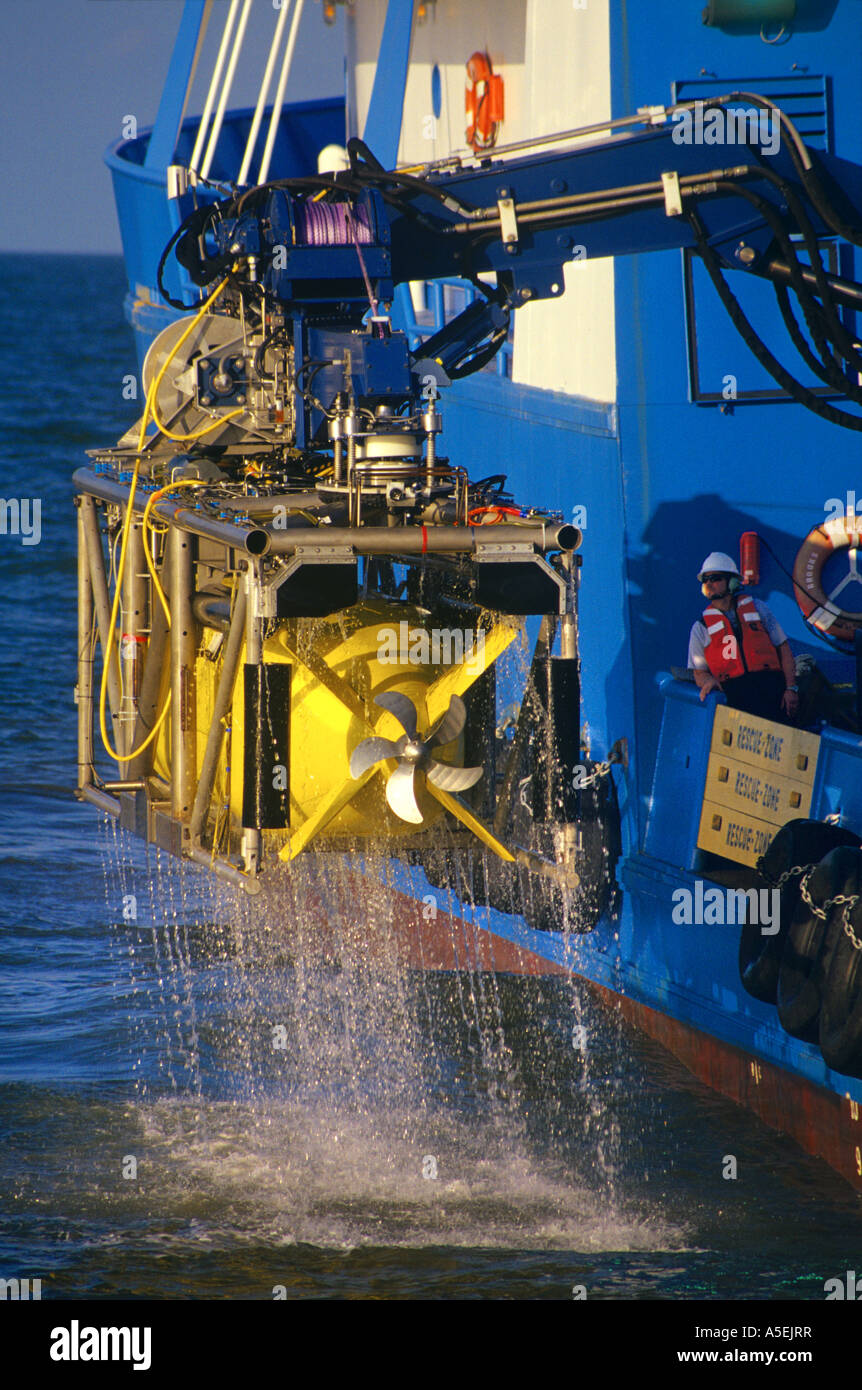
<point x="84" y="689"/>
<point x="101" y="601"/>
<point x="224" y="695"/>
<point x="151" y="684"/>
<point x="252" y="540"/>
<point x="427" y="540"/>
<point x="183" y="652"/>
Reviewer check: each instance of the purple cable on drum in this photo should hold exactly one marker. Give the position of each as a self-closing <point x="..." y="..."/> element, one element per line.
<point x="332" y="224"/>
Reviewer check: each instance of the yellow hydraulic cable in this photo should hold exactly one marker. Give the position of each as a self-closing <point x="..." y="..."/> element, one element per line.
<point x="149" y="409"/>
<point x="196" y="434"/>
<point x="106" y="657"/>
<point x="153" y="392"/>
<point x="148" y="525"/>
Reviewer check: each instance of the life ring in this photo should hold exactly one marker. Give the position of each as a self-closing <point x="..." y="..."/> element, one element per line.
<point x="818" y="607"/>
<point x="799" y="842"/>
<point x="841" y="1013"/>
<point x="811" y="940"/>
<point x="483" y="102"/>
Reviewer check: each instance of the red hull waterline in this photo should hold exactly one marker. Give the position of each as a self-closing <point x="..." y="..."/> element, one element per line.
<point x="824" y="1124"/>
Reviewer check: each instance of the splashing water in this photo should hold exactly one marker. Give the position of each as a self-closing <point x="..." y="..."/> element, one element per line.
<point x="295" y="1077"/>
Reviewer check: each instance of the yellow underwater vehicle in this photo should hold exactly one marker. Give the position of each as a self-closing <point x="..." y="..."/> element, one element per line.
<point x="303" y="606"/>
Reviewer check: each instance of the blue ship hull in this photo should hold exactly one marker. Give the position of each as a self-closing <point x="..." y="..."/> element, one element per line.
<point x="665" y="473"/>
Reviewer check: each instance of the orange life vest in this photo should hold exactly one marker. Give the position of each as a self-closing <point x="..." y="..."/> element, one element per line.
<point x="722" y="653"/>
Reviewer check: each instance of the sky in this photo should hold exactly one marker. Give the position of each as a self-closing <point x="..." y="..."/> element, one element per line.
<point x="71" y="70"/>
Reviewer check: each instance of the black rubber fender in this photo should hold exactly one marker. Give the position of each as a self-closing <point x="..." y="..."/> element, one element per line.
<point x="841" y="1011"/>
<point x="798" y="842"/>
<point x="809" y="944"/>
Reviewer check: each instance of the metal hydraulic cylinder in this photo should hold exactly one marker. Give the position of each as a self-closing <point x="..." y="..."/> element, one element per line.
<point x="133" y="635"/>
<point x="183" y="650"/>
<point x="84" y="687"/>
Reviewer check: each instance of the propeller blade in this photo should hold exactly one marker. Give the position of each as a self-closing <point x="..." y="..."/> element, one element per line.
<point x="452" y="779"/>
<point x="450" y="725"/>
<point x="401" y="795"/>
<point x="369" y="752"/>
<point x="403" y="709"/>
<point x="472" y="822"/>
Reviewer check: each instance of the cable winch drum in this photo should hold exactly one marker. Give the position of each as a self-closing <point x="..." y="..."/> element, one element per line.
<point x="839" y="533"/>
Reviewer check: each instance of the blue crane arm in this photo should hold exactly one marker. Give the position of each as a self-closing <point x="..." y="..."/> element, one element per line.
<point x="523" y="218"/>
<point x="327" y="247"/>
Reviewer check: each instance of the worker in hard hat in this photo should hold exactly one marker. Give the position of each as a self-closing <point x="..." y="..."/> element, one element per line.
<point x="739" y="647"/>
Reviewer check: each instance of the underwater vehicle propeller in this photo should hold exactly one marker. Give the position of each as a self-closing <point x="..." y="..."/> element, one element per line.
<point x="414" y="753"/>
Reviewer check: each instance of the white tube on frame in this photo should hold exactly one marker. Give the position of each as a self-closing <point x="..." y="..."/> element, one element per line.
<point x="213" y="87"/>
<point x="279" y="96"/>
<point x="225" y="91"/>
<point x="264" y="92"/>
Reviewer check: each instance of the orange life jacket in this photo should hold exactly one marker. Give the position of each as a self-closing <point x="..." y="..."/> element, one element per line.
<point x="722" y="653"/>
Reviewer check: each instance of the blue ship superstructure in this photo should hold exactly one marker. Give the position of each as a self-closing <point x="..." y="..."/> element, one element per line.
<point x="686" y="443"/>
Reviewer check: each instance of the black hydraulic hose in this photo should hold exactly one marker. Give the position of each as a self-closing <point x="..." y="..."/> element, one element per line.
<point x="309" y="183"/>
<point x="795" y="389"/>
<point x="357" y="149"/>
<point x="804" y="166"/>
<point x="203" y="269"/>
<point x="791" y="323"/>
<point x="268" y="341"/>
<point x="480" y="358"/>
<point x="372" y="171"/>
<point x="814" y="189"/>
<point x="565" y="217"/>
<point x="798" y="211"/>
<point x="196" y="220"/>
<point x="810" y="306"/>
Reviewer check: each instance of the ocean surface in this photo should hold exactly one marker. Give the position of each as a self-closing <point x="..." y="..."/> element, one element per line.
<point x="195" y="1105"/>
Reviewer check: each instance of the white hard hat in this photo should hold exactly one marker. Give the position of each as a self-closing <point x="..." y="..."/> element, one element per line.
<point x="717" y="563"/>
